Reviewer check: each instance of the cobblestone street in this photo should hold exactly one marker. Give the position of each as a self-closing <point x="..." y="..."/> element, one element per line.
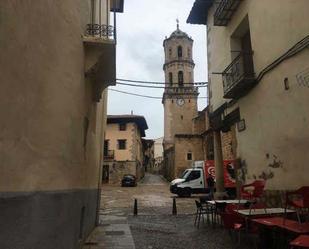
<point x="154" y="227"/>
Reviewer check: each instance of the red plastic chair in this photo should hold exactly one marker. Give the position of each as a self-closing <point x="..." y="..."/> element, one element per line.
<point x="301" y="241"/>
<point x="257" y="192"/>
<point x="298" y="199"/>
<point x="233" y="223"/>
<point x="255" y="195"/>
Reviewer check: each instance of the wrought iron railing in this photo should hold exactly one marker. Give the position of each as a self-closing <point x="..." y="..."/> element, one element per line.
<point x="237" y="72"/>
<point x="224" y="11"/>
<point x="181" y="90"/>
<point x="104" y="31"/>
<point x="109" y="155"/>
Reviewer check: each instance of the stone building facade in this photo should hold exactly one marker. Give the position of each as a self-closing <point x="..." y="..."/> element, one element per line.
<point x="261" y="96"/>
<point x="158" y="155"/>
<point x="55" y="67"/>
<point x="123" y="147"/>
<point x="148" y="153"/>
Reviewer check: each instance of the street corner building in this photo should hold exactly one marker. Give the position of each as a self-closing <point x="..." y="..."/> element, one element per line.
<point x="258" y="88"/>
<point x="57" y="60"/>
<point x="123" y="147"/>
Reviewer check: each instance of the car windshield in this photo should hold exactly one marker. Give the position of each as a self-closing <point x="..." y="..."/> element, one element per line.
<point x="185" y="174"/>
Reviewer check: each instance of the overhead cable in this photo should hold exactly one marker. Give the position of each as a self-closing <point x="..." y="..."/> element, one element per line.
<point x="146" y="96"/>
<point x="160" y="82"/>
<point x="162" y="87"/>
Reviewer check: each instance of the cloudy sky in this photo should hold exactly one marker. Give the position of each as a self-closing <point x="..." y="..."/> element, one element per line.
<point x="141" y="30"/>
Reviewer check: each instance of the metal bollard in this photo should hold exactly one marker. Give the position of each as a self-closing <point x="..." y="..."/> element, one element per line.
<point x="135" y="207"/>
<point x="174" y="206"/>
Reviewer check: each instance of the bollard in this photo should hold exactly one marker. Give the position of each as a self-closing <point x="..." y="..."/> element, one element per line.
<point x="135" y="207"/>
<point x="174" y="207"/>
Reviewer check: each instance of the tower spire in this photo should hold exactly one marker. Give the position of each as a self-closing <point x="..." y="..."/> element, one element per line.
<point x="177" y="21"/>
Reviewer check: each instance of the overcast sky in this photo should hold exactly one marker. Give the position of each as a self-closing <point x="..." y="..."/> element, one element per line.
<point x="141" y="30"/>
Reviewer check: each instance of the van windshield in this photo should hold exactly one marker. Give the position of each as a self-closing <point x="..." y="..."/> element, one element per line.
<point x="185" y="174"/>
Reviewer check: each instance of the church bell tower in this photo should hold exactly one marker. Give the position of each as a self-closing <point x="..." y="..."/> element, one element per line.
<point x="180" y="95"/>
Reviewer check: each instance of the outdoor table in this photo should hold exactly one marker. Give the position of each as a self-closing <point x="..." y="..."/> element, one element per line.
<point x="254" y="213"/>
<point x="301" y="241"/>
<point x="279" y="223"/>
<point x="287" y="224"/>
<point x="267" y="231"/>
<point x="213" y="202"/>
<point x="263" y="211"/>
<point x="214" y="210"/>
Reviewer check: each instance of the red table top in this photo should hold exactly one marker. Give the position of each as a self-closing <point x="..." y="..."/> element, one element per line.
<point x="290" y="225"/>
<point x="301" y="240"/>
<point x="269" y="221"/>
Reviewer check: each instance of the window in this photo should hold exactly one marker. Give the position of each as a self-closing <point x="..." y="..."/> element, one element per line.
<point x="170" y="52"/>
<point x="106" y="145"/>
<point x="195" y="174"/>
<point x="210" y="147"/>
<point x="122" y="127"/>
<point x="179" y="51"/>
<point x="189" y="156"/>
<point x="181" y="117"/>
<point x="170" y="77"/>
<point x="122" y="144"/>
<point x="180" y="78"/>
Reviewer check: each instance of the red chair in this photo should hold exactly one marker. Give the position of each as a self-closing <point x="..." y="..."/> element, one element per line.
<point x="233" y="223"/>
<point x="301" y="241"/>
<point x="255" y="195"/>
<point x="298" y="199"/>
<point x="257" y="192"/>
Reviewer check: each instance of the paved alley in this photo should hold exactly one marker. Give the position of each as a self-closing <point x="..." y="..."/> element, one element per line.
<point x="154" y="227"/>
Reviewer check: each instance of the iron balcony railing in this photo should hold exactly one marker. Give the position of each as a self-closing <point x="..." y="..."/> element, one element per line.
<point x="239" y="76"/>
<point x="224" y="11"/>
<point x="109" y="155"/>
<point x="181" y="90"/>
<point x="104" y="31"/>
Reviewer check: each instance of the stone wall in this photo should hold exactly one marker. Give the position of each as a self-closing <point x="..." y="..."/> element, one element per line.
<point x="119" y="168"/>
<point x="183" y="145"/>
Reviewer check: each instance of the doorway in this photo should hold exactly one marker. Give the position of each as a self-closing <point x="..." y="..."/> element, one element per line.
<point x="105" y="174"/>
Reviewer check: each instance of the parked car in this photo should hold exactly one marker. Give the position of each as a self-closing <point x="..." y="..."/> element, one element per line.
<point x="128" y="181"/>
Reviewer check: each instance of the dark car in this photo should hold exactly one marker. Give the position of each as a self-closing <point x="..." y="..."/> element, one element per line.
<point x="128" y="181"/>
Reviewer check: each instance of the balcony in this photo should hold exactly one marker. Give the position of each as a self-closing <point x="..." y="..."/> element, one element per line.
<point x="102" y="31"/>
<point x="224" y="11"/>
<point x="109" y="155"/>
<point x="238" y="77"/>
<point x="100" y="57"/>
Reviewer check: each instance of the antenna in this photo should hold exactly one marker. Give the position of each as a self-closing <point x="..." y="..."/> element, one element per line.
<point x="177" y="21"/>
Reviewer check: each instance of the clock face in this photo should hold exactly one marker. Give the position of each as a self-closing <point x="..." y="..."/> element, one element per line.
<point x="180" y="102"/>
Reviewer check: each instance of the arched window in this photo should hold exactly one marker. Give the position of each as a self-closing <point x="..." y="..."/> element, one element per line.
<point x="170" y="78"/>
<point x="179" y="51"/>
<point x="180" y="78"/>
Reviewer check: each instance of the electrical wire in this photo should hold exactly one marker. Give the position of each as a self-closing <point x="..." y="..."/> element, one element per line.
<point x="160" y="82"/>
<point x="162" y="87"/>
<point x="299" y="46"/>
<point x="146" y="96"/>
